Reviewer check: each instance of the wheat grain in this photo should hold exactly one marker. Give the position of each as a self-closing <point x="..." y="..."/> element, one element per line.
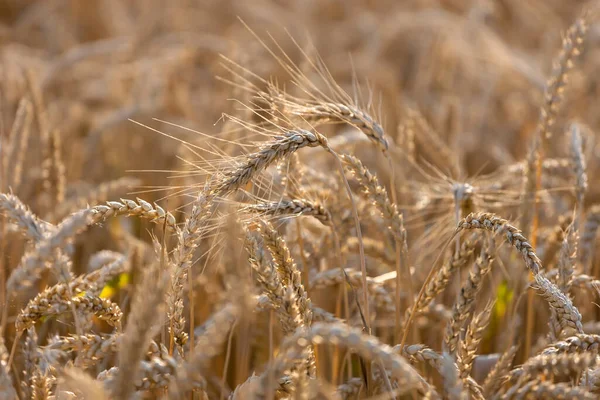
<point x="467" y="349"/>
<point x="465" y="303"/>
<point x="513" y="235"/>
<point x="34" y="262"/>
<point x="139" y="208"/>
<point x="290" y="208"/>
<point x="26" y="220"/>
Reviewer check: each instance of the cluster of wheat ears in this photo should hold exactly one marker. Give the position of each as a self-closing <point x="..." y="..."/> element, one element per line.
<point x="316" y="244"/>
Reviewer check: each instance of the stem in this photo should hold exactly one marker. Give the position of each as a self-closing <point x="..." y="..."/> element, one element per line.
<point x="226" y="366"/>
<point x="306" y="270"/>
<point x="530" y="321"/>
<point x="401" y="262"/>
<point x="271" y="378"/>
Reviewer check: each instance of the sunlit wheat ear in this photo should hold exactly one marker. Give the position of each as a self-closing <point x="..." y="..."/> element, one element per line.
<point x="318" y="102"/>
<point x="290" y="208"/>
<point x="513" y="236"/>
<point x="35" y="261"/>
<point x="473" y="336"/>
<point x="287" y="270"/>
<point x="497" y="225"/>
<point x="579" y="343"/>
<point x="283" y="145"/>
<point x="282" y="140"/>
<point x="139" y="208"/>
<point x="267" y="154"/>
<point x="57" y="300"/>
<point x="188" y="239"/>
<point x="31" y="226"/>
<point x="323" y="112"/>
<point x="553" y="101"/>
<point x="379" y="196"/>
<point x="270" y="280"/>
<point x="568" y="316"/>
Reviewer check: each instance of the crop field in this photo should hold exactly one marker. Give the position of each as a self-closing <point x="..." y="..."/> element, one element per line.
<point x="287" y="199"/>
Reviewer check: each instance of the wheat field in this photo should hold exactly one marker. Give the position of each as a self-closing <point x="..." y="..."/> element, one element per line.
<point x="266" y="199"/>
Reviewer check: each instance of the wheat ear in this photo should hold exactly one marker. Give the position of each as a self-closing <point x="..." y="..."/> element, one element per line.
<point x="465" y="303"/>
<point x="19" y="138"/>
<point x="33" y="262"/>
<point x="139" y="208"/>
<point x="553" y="99"/>
<point x="188" y="239"/>
<point x="290" y="208"/>
<point x="26" y="220"/>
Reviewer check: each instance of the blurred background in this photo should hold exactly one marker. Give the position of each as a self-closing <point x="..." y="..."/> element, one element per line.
<point x="475" y="69"/>
<point x="97" y="63"/>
